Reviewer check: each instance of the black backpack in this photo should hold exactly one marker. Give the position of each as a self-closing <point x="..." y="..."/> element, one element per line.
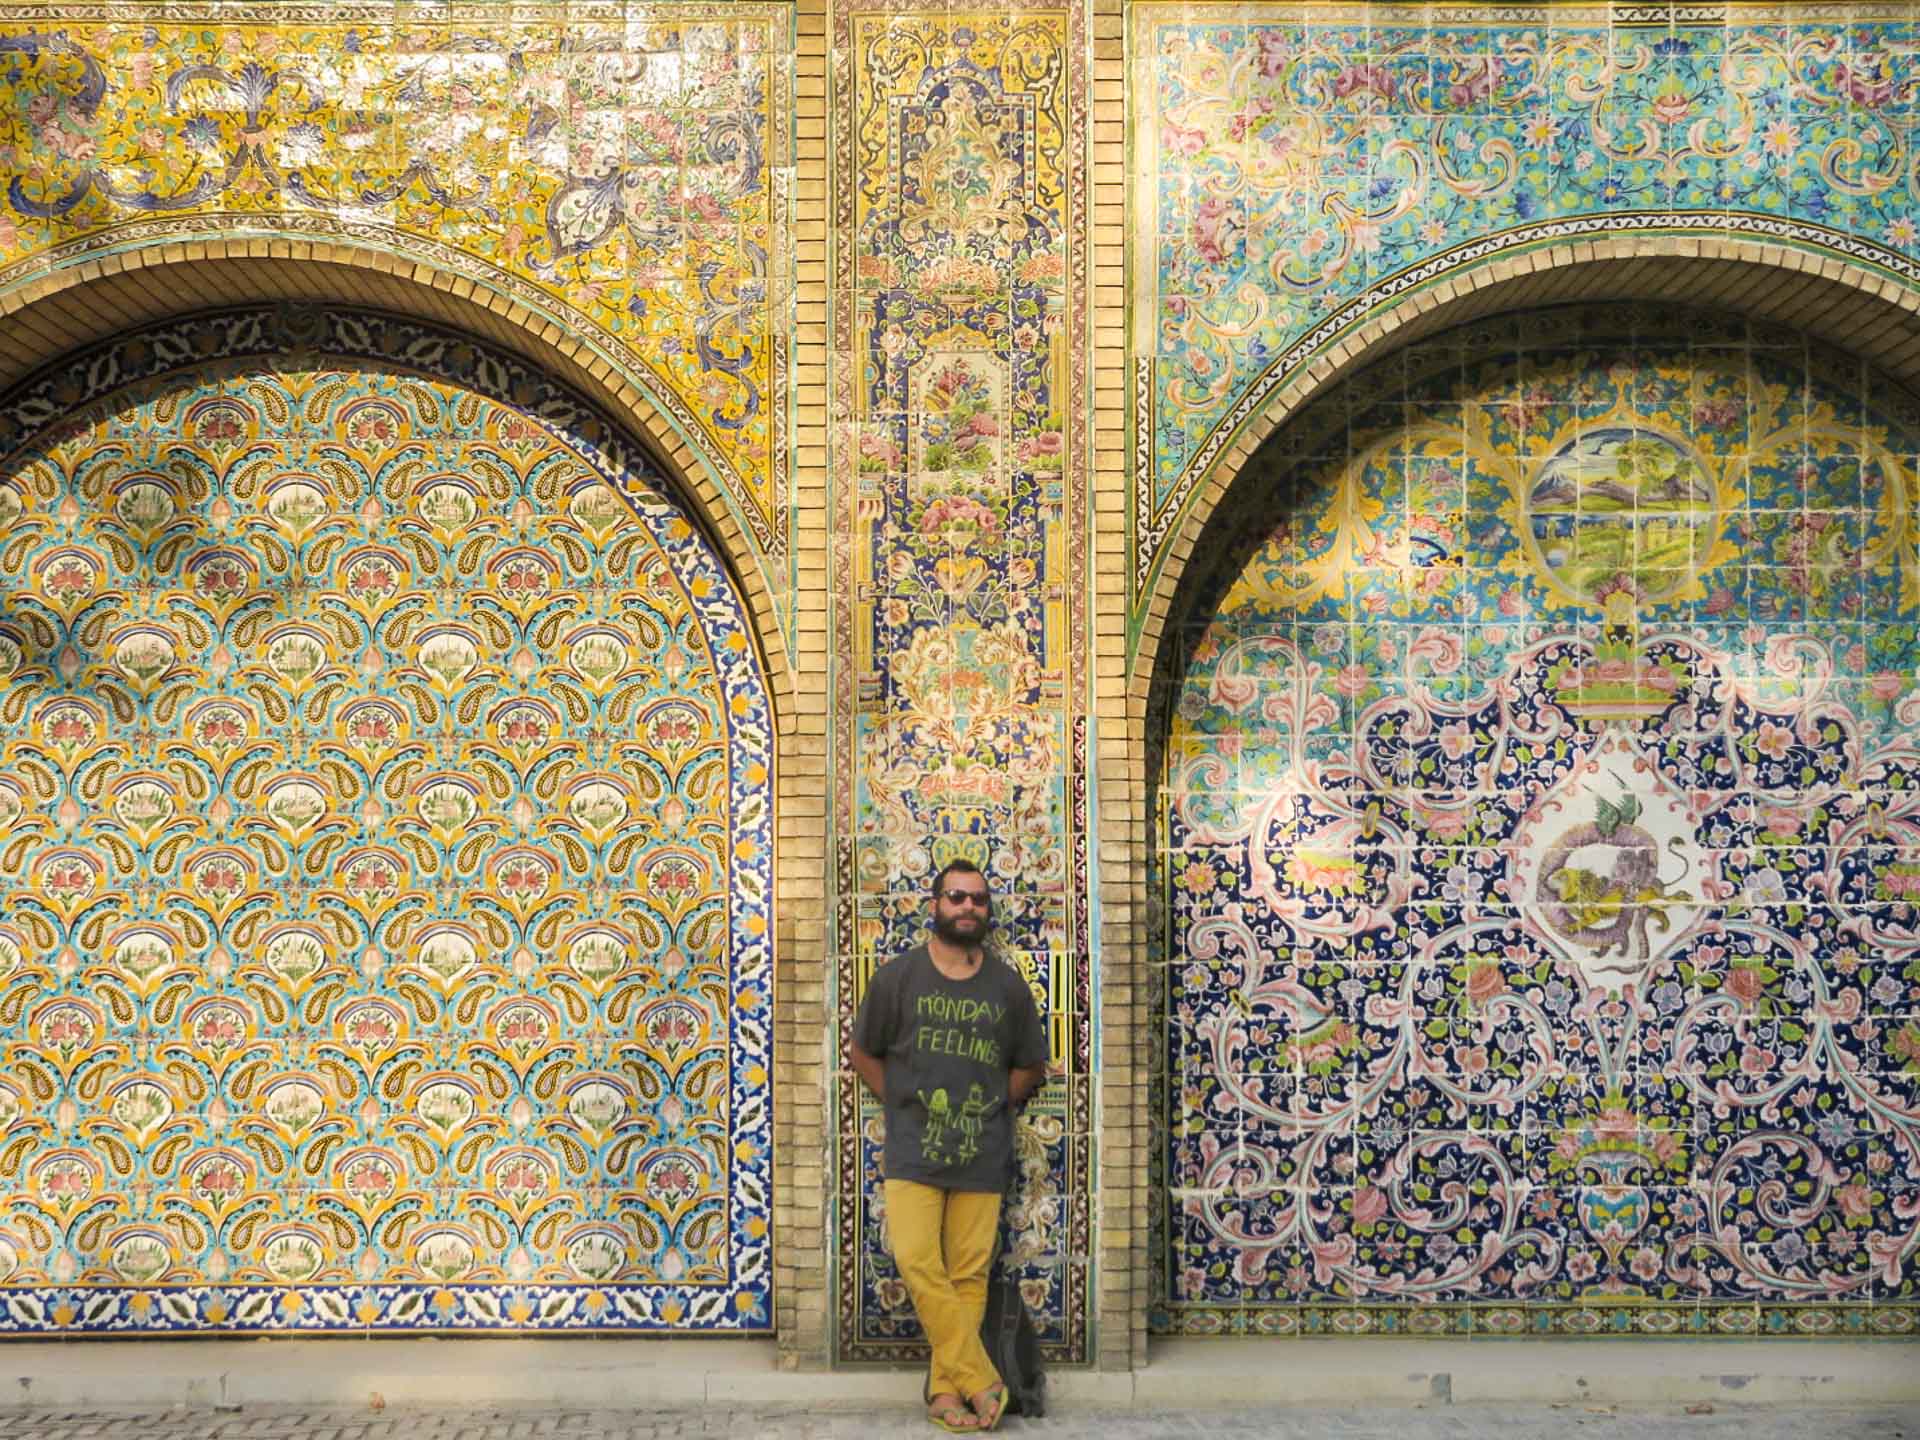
<point x="1007" y="1332"/>
<point x="1013" y="1345"/>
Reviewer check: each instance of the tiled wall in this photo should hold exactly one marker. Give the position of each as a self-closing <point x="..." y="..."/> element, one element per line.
<point x="623" y="169"/>
<point x="1299" y="167"/>
<point x="385" y="773"/>
<point x="658" y="180"/>
<point x="1536" y="830"/>
<point x="959" y="577"/>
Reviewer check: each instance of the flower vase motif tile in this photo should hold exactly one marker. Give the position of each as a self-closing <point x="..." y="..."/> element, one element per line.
<point x="1539" y="948"/>
<point x="387" y="881"/>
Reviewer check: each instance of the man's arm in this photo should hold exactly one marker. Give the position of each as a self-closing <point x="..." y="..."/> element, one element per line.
<point x="1022" y="1081"/>
<point x="869" y="1068"/>
<point x="873" y="1032"/>
<point x="1030" y="1043"/>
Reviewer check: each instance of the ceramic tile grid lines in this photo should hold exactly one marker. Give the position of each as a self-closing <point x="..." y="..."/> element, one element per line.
<point x="384" y="913"/>
<point x="1296" y="167"/>
<point x="1538" y="850"/>
<point x="621" y="168"/>
<point x="960" y="576"/>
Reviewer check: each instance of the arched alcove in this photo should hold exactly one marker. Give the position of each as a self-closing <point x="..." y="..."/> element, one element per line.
<point x="1528" y="924"/>
<point x="387" y="942"/>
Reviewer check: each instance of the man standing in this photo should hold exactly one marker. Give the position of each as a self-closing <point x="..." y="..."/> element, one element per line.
<point x="943" y="1021"/>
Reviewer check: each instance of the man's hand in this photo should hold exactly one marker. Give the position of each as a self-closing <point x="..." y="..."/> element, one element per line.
<point x="1023" y="1082"/>
<point x="870" y="1069"/>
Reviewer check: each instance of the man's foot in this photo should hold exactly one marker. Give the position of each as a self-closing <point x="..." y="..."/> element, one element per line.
<point x="952" y="1416"/>
<point x="989" y="1405"/>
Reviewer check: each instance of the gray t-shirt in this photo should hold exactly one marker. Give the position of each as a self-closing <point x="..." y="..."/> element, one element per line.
<point x="948" y="1046"/>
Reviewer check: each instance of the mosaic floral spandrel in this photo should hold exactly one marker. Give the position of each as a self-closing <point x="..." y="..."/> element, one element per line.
<point x="616" y="167"/>
<point x="960" y="581"/>
<point x="1289" y="175"/>
<point x="385" y="853"/>
<point x="1539" y="852"/>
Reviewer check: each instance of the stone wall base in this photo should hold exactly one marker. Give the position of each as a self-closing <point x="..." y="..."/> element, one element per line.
<point x="649" y="1374"/>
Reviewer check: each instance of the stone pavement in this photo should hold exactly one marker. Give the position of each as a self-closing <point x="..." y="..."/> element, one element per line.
<point x="1557" y="1422"/>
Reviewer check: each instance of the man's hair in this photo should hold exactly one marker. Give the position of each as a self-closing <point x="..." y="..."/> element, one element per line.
<point x="963" y="867"/>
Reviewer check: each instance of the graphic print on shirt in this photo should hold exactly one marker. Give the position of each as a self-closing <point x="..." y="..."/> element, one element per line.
<point x="972" y="1120"/>
<point x="955" y="1028"/>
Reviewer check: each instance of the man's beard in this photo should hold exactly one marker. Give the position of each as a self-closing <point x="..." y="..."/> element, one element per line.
<point x="959" y="929"/>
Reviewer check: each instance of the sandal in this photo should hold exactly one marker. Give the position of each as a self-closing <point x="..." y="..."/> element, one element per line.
<point x="989" y="1415"/>
<point x="950" y="1415"/>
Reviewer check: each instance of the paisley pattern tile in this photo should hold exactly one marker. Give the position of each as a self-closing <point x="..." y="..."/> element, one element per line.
<point x="960" y="578"/>
<point x="385" y="850"/>
<point x="1536" y="838"/>
<point x="618" y="167"/>
<point x="1291" y="178"/>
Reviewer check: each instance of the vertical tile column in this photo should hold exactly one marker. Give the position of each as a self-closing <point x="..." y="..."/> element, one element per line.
<point x="960" y="638"/>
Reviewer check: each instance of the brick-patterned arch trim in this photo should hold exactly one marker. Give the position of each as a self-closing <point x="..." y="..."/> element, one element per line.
<point x="62" y="311"/>
<point x="1857" y="310"/>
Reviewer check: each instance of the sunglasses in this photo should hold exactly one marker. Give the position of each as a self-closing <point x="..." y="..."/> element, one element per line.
<point x="968" y="897"/>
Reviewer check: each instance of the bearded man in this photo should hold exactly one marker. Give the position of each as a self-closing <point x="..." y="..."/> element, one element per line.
<point x="949" y="1018"/>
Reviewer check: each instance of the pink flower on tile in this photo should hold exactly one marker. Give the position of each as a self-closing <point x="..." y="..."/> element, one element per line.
<point x="1715" y="414"/>
<point x="1866" y="86"/>
<point x="1671" y="107"/>
<point x="1356" y="79"/>
<point x="1352" y="680"/>
<point x="1484" y="982"/>
<point x="1276" y="50"/>
<point x="1184" y="140"/>
<point x="1854" y="1200"/>
<point x="1215" y="231"/>
<point x="1369" y="1204"/>
<point x="73" y="144"/>
<point x="1743" y="984"/>
<point x="1474" y="88"/>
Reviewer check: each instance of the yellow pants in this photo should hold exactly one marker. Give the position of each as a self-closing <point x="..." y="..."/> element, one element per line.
<point x="942" y="1241"/>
